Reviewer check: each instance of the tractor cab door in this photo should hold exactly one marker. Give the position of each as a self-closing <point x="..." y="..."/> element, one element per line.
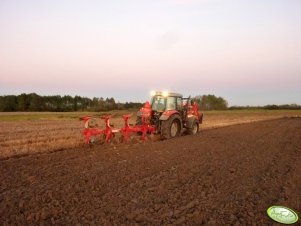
<point x="171" y="103"/>
<point x="179" y="103"/>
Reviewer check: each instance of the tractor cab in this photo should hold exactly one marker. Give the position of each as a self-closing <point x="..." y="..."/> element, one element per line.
<point x="164" y="101"/>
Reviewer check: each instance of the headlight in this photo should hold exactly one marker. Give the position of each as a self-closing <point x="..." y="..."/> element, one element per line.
<point x="165" y="93"/>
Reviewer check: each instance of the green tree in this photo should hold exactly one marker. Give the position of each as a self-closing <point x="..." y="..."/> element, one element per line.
<point x="8" y="103"/>
<point x="76" y="103"/>
<point x="211" y="102"/>
<point x="35" y="102"/>
<point x="23" y="102"/>
<point x="67" y="103"/>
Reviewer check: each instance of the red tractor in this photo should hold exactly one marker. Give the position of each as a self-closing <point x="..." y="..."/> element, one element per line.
<point x="170" y="113"/>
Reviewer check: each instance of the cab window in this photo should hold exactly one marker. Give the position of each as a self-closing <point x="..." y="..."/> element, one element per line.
<point x="171" y="103"/>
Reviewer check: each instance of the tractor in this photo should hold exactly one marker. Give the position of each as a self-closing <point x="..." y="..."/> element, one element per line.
<point x="169" y="114"/>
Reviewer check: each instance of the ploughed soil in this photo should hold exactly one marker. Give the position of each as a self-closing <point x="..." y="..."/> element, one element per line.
<point x="224" y="176"/>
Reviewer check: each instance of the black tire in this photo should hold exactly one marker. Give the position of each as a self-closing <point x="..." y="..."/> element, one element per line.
<point x="194" y="129"/>
<point x="171" y="127"/>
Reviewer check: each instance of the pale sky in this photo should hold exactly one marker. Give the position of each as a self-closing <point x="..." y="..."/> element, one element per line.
<point x="248" y="52"/>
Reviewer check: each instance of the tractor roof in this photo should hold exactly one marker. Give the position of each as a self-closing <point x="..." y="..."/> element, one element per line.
<point x="163" y="93"/>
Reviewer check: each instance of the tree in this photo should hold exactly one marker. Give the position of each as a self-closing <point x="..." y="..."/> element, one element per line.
<point x="67" y="103"/>
<point x="23" y="102"/>
<point x="8" y="103"/>
<point x="35" y="102"/>
<point x="76" y="102"/>
<point x="211" y="102"/>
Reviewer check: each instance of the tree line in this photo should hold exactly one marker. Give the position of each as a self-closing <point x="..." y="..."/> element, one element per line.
<point x="268" y="107"/>
<point x="212" y="102"/>
<point x="57" y="103"/>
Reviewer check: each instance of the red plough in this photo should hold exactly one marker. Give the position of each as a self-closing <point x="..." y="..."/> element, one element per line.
<point x="91" y="131"/>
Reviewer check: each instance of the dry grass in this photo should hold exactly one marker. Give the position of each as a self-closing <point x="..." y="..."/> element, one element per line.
<point x="27" y="133"/>
<point x="216" y="119"/>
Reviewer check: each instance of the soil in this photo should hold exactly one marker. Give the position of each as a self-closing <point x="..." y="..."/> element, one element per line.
<point x="223" y="176"/>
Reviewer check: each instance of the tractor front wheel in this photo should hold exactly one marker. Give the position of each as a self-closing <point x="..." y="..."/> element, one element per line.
<point x="171" y="127"/>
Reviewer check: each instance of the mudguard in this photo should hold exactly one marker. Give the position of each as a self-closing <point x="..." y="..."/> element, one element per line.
<point x="165" y="115"/>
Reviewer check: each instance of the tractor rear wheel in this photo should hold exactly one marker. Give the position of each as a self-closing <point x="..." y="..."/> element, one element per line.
<point x="171" y="127"/>
<point x="194" y="129"/>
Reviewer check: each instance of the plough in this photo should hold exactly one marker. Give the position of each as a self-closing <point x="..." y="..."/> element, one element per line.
<point x="90" y="131"/>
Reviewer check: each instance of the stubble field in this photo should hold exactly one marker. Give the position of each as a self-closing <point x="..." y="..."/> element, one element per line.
<point x="27" y="133"/>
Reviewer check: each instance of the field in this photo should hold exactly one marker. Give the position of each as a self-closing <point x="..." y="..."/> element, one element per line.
<point x="240" y="163"/>
<point x="27" y="133"/>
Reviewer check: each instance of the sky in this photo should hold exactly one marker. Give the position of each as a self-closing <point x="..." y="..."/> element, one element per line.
<point x="248" y="52"/>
